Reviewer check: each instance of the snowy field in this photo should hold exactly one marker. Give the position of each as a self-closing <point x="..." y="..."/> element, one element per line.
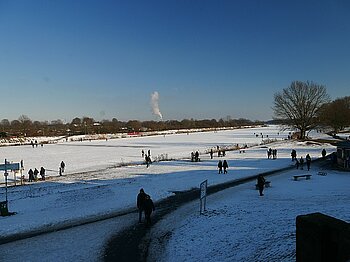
<point x="95" y="155"/>
<point x="239" y="225"/>
<point x="94" y="186"/>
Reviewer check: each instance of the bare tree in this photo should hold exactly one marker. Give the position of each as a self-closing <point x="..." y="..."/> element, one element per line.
<point x="25" y="123"/>
<point x="299" y="104"/>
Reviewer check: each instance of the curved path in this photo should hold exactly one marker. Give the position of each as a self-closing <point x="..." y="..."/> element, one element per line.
<point x="132" y="244"/>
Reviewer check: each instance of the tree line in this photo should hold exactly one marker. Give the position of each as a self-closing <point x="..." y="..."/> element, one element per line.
<point x="24" y="126"/>
<point x="302" y="106"/>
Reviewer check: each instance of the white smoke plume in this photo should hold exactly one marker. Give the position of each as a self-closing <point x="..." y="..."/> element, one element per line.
<point x="155" y="104"/>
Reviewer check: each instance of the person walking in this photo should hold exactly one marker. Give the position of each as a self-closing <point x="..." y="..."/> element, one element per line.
<point x="297" y="163"/>
<point x="42" y="173"/>
<point x="148" y="207"/>
<point x="274" y="154"/>
<point x="211" y="153"/>
<point x="36" y="172"/>
<point x="196" y="156"/>
<point x="30" y="175"/>
<point x="308" y="161"/>
<point x="192" y="156"/>
<point x="148" y="160"/>
<point x="301" y="163"/>
<point x="324" y="153"/>
<point x="294" y="155"/>
<point x="269" y="153"/>
<point x="261" y="184"/>
<point x="220" y="167"/>
<point x="141" y="197"/>
<point x="63" y="165"/>
<point x="225" y="166"/>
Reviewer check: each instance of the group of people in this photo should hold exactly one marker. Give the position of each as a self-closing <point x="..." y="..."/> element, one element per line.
<point x="271" y="153"/>
<point x="147" y="157"/>
<point x="143" y="154"/>
<point x="222" y="165"/>
<point x="195" y="156"/>
<point x="221" y="152"/>
<point x="145" y="205"/>
<point x="33" y="174"/>
<point x="299" y="163"/>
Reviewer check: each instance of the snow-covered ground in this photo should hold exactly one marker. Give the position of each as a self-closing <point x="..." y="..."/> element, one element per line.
<point x="239" y="225"/>
<point x="90" y="155"/>
<point x="93" y="186"/>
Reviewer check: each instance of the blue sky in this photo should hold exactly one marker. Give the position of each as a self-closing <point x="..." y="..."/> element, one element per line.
<point x="206" y="59"/>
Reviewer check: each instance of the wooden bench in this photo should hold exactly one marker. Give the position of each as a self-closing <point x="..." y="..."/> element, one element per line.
<point x="267" y="184"/>
<point x="306" y="176"/>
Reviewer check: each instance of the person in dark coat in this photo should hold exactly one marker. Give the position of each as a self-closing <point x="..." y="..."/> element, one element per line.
<point x="42" y="173"/>
<point x="192" y="156"/>
<point x="269" y="153"/>
<point x="297" y="163"/>
<point x="36" y="172"/>
<point x="196" y="156"/>
<point x="30" y="175"/>
<point x="141" y="197"/>
<point x="308" y="161"/>
<point x="274" y="153"/>
<point x="294" y="155"/>
<point x="220" y="166"/>
<point x="261" y="184"/>
<point x="324" y="153"/>
<point x="225" y="166"/>
<point x="301" y="162"/>
<point x="63" y="165"/>
<point x="148" y="160"/>
<point x="149" y="207"/>
<point x="211" y="153"/>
